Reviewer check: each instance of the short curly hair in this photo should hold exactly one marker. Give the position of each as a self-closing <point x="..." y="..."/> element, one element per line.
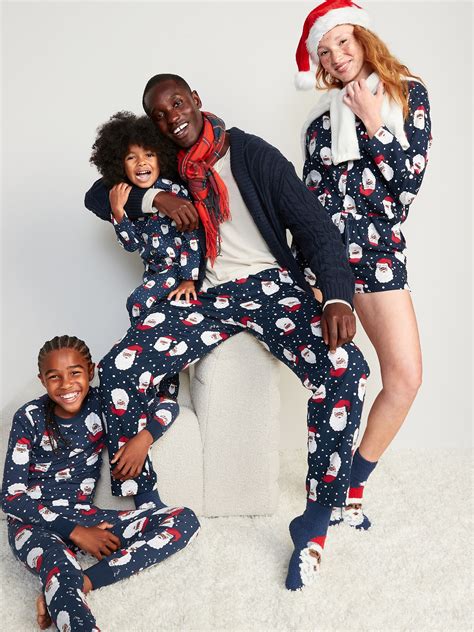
<point x="114" y="139"/>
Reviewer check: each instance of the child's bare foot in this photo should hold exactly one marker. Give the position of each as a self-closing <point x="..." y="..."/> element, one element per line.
<point x="42" y="614"/>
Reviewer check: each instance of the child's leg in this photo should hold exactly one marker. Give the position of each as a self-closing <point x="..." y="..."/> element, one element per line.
<point x="61" y="577"/>
<point x="149" y="538"/>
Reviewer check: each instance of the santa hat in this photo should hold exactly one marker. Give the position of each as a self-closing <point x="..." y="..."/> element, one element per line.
<point x="23" y="441"/>
<point x="317" y="543"/>
<point x="322" y="19"/>
<point x="343" y="403"/>
<point x="387" y="261"/>
<point x="136" y="348"/>
<point x="174" y="532"/>
<point x="312" y="429"/>
<point x="378" y="159"/>
<point x="52" y="573"/>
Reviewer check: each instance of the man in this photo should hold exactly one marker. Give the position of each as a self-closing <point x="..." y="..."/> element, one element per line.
<point x="247" y="195"/>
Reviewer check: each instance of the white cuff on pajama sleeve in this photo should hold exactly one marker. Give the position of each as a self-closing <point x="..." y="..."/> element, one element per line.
<point x="147" y="201"/>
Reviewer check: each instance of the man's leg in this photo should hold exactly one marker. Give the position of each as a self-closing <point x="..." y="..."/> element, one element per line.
<point x="287" y="320"/>
<point x="147" y="537"/>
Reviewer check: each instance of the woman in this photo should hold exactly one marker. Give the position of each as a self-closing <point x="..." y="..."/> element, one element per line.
<point x="366" y="144"/>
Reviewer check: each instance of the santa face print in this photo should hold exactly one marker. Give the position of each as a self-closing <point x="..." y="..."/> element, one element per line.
<point x="418" y="164"/>
<point x="269" y="287"/>
<point x="65" y="374"/>
<point x="355" y="253"/>
<point x="163" y="417"/>
<point x="312" y="445"/>
<point x="341" y="55"/>
<point x="34" y="558"/>
<point x="406" y="198"/>
<point x="129" y="488"/>
<point x="383" y="271"/>
<point x="419" y="118"/>
<point x="144" y="381"/>
<point x="22" y="535"/>
<point x="326" y="156"/>
<point x="212" y="337"/>
<point x="286" y="325"/>
<point x="34" y="491"/>
<point x="313" y="179"/>
<point x="94" y="425"/>
<point x="361" y="387"/>
<point x="152" y="320"/>
<point x="126" y="357"/>
<point x="373" y="235"/>
<point x="164" y="343"/>
<point x="312" y="495"/>
<point x="192" y="319"/>
<point x="315" y="325"/>
<point x="52" y="585"/>
<point x="312" y="143"/>
<point x="388" y="207"/>
<point x="87" y="486"/>
<point x="319" y="395"/>
<point x="63" y="622"/>
<point x="21" y="451"/>
<point x="368" y="182"/>
<point x="338" y="419"/>
<point x="333" y="469"/>
<point x="120" y="401"/>
<point x="339" y="360"/>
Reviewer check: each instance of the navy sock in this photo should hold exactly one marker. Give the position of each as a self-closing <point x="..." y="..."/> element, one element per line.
<point x="360" y="471"/>
<point x="149" y="497"/>
<point x="308" y="533"/>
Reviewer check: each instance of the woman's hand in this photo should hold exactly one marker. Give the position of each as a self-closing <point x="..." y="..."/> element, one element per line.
<point x="364" y="104"/>
<point x="118" y="196"/>
<point x="97" y="541"/>
<point x="186" y="289"/>
<point x="131" y="456"/>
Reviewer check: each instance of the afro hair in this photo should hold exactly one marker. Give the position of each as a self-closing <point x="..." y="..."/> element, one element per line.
<point x="114" y="138"/>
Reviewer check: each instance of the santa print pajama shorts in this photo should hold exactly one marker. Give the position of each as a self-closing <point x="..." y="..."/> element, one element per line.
<point x="286" y="320"/>
<point x="147" y="537"/>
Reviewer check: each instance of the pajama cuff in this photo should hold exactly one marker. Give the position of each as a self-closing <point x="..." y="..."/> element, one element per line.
<point x="63" y="526"/>
<point x="155" y="429"/>
<point x="100" y="575"/>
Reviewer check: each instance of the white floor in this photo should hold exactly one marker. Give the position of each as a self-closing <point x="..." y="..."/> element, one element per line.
<point x="411" y="572"/>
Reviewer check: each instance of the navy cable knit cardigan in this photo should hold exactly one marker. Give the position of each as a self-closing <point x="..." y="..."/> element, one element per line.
<point x="277" y="200"/>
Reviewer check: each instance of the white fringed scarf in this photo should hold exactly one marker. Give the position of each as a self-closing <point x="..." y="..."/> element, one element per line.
<point x="344" y="142"/>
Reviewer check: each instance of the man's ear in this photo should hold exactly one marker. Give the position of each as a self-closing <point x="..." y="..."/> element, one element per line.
<point x="196" y="99"/>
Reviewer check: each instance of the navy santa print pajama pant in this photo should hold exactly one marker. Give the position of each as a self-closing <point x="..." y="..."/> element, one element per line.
<point x="147" y="536"/>
<point x="287" y="321"/>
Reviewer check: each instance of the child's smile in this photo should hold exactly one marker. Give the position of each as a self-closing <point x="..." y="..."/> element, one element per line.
<point x="141" y="166"/>
<point x="65" y="374"/>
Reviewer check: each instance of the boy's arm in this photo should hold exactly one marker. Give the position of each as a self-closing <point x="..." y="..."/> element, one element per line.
<point x="177" y="208"/>
<point x="97" y="200"/>
<point x="15" y="499"/>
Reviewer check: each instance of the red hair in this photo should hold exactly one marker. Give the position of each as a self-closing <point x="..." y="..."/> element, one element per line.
<point x="381" y="61"/>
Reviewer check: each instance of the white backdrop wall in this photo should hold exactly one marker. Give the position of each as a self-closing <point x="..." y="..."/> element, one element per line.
<point x="69" y="65"/>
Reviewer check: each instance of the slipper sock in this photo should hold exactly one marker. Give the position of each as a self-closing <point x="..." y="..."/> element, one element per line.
<point x="151" y="497"/>
<point x="308" y="533"/>
<point x="360" y="471"/>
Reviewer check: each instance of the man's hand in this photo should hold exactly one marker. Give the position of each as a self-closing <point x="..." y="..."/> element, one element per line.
<point x="186" y="289"/>
<point x="95" y="540"/>
<point x="338" y="325"/>
<point x="131" y="457"/>
<point x="118" y="196"/>
<point x="181" y="211"/>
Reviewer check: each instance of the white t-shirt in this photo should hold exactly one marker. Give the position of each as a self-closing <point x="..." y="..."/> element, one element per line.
<point x="243" y="249"/>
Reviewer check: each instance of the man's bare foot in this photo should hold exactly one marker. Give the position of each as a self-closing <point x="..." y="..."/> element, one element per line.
<point x="42" y="614"/>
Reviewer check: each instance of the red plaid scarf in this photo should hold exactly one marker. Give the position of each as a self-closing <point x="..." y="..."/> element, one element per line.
<point x="207" y="188"/>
